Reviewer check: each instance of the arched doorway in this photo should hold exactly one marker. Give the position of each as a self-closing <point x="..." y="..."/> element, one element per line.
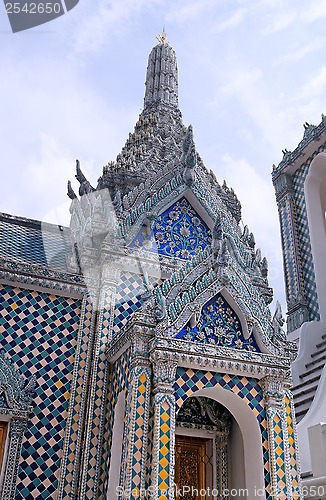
<point x="203" y="429"/>
<point x="244" y="446"/>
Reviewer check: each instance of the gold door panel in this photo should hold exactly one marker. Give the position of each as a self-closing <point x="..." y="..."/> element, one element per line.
<point x="190" y="467"/>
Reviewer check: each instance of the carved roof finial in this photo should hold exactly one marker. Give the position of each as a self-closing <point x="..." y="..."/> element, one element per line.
<point x="162" y="38"/>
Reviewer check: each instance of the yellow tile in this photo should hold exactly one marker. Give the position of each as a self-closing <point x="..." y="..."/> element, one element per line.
<point x="164" y="450"/>
<point x="164" y="463"/>
<point x="141" y="389"/>
<point x="165" y="428"/>
<point x="165" y="417"/>
<point x="163" y="474"/>
<point x="164" y="439"/>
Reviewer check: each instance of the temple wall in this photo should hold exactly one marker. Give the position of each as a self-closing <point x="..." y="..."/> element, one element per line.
<point x="38" y="332"/>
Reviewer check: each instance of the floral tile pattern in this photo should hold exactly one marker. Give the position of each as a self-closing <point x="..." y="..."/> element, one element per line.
<point x="177" y="232"/>
<point x="218" y="325"/>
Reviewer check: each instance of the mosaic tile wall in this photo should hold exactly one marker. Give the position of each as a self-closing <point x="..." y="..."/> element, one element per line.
<point x="96" y="399"/>
<point x="189" y="381"/>
<point x="38" y="331"/>
<point x="303" y="233"/>
<point x="149" y="465"/>
<point x="128" y="298"/>
<point x="118" y="381"/>
<point x="177" y="232"/>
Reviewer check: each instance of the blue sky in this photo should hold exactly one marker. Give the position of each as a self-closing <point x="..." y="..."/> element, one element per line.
<point x="251" y="72"/>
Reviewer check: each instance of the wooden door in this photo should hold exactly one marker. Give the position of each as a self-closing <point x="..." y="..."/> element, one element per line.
<point x="190" y="467"/>
<point x="3" y="435"/>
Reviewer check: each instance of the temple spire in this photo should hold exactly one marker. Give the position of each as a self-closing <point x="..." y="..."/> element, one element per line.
<point x="162" y="75"/>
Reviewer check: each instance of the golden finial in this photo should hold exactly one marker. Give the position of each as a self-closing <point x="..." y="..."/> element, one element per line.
<point x="162" y="38"/>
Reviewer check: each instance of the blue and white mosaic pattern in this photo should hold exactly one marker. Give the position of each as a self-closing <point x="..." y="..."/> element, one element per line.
<point x="38" y="332"/>
<point x="177" y="232"/>
<point x="308" y="272"/>
<point x="128" y="299"/>
<point x="218" y="325"/>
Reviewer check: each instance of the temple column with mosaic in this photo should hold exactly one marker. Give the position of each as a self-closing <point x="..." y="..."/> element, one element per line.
<point x="163" y="452"/>
<point x="148" y="323"/>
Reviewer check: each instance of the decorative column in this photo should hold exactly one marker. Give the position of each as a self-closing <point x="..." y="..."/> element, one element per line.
<point x="73" y="443"/>
<point x="273" y="394"/>
<point x="16" y="432"/>
<point x="164" y="367"/>
<point x="277" y="426"/>
<point x="295" y="293"/>
<point x="91" y="483"/>
<point x="222" y="479"/>
<point x="133" y="467"/>
<point x="292" y="459"/>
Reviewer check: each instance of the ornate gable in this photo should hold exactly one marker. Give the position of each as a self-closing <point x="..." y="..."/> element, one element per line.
<point x="217" y="325"/>
<point x="178" y="232"/>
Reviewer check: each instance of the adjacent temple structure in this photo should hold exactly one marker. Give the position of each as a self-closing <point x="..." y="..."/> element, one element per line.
<point x="139" y="354"/>
<point x="300" y="187"/>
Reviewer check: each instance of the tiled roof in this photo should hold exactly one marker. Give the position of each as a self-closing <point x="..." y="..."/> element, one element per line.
<point x="33" y="241"/>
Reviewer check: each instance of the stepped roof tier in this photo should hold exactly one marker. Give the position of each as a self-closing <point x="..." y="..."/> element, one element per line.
<point x="159" y="213"/>
<point x="159" y="140"/>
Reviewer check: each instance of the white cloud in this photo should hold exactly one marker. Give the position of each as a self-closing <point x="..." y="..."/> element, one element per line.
<point x="106" y="18"/>
<point x="239" y="81"/>
<point x="186" y="10"/>
<point x="259" y="212"/>
<point x="280" y="21"/>
<point x="313" y="11"/>
<point x="236" y="18"/>
<point x="297" y="53"/>
<point x="315" y="86"/>
<point x="47" y="122"/>
<point x="283" y="14"/>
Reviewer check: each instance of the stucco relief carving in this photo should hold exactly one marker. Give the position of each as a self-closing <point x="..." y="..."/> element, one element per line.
<point x="17" y="394"/>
